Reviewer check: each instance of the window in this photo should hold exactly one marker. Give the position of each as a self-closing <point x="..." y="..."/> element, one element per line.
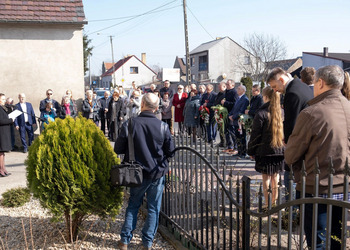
<point x="134" y="70"/>
<point x="246" y="60"/>
<point x="192" y="61"/>
<point x="203" y="63"/>
<point x="193" y="77"/>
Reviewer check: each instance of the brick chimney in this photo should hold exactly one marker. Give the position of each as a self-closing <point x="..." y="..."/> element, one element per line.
<point x="143" y="57"/>
<point x="325" y="51"/>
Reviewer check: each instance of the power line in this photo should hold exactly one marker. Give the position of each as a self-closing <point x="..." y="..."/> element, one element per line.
<point x="118" y="18"/>
<point x="145" y="13"/>
<point x="200" y="23"/>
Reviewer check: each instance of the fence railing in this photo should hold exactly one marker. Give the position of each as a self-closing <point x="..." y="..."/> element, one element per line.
<point x="207" y="205"/>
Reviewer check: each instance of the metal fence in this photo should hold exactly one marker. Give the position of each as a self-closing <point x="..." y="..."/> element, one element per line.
<point x="207" y="205"/>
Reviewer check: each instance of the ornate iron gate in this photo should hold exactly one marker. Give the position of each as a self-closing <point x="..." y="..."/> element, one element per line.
<point x="208" y="206"/>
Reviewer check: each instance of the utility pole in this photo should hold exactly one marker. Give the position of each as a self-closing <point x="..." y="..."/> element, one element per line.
<point x="89" y="71"/>
<point x="188" y="69"/>
<point x="113" y="76"/>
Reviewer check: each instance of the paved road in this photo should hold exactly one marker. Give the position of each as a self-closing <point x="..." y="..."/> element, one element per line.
<point x="14" y="163"/>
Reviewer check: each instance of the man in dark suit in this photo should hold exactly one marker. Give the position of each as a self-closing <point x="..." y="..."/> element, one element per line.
<point x="255" y="102"/>
<point x="208" y="100"/>
<point x="55" y="105"/>
<point x="153" y="145"/>
<point x="166" y="89"/>
<point x="231" y="97"/>
<point x="104" y="102"/>
<point x="24" y="122"/>
<point x="218" y="99"/>
<point x="239" y="108"/>
<point x="296" y="95"/>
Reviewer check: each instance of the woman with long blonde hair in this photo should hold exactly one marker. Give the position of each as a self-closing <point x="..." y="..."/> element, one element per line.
<point x="346" y="86"/>
<point x="266" y="142"/>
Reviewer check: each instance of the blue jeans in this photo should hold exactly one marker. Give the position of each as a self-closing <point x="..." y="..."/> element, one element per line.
<point x="154" y="191"/>
<point x="286" y="185"/>
<point x="322" y="225"/>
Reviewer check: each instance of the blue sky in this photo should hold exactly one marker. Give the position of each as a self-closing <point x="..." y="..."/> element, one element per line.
<point x="307" y="25"/>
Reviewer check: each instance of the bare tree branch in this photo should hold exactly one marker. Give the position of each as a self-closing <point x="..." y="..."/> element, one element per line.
<point x="262" y="48"/>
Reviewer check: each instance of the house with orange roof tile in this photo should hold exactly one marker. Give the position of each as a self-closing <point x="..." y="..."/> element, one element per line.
<point x="41" y="48"/>
<point x="127" y="70"/>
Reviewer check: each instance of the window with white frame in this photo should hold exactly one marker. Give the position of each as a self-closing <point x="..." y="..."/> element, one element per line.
<point x="134" y="70"/>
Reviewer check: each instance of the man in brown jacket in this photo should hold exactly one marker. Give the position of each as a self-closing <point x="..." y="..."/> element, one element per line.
<point x="322" y="131"/>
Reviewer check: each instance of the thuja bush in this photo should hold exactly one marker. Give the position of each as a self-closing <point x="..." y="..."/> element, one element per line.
<point x="68" y="170"/>
<point x="15" y="197"/>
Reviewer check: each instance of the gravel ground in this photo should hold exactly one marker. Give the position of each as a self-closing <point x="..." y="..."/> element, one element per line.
<point x="41" y="233"/>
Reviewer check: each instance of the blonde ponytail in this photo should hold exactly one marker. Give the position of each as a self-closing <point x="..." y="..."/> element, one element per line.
<point x="275" y="117"/>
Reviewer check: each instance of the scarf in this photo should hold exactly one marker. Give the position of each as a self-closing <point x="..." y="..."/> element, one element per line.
<point x="66" y="107"/>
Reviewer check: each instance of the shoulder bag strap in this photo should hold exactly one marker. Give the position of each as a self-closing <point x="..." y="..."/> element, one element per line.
<point x="131" y="141"/>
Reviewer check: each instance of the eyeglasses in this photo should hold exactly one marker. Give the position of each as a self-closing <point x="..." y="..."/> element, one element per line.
<point x="49" y="93"/>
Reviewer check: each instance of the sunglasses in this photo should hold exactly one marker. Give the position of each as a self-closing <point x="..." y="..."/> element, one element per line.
<point x="49" y="93"/>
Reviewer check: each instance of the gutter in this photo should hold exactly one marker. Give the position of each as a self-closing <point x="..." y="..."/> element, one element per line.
<point x="42" y="22"/>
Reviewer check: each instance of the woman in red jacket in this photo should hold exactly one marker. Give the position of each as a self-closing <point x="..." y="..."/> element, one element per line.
<point x="179" y="102"/>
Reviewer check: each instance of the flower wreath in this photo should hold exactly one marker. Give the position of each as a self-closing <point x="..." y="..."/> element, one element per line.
<point x="204" y="114"/>
<point x="220" y="117"/>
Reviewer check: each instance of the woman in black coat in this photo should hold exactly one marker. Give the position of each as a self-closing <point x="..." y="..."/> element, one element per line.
<point x="266" y="141"/>
<point x="5" y="135"/>
<point x="115" y="114"/>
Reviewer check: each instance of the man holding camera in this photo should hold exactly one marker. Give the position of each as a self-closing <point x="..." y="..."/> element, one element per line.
<point x="153" y="146"/>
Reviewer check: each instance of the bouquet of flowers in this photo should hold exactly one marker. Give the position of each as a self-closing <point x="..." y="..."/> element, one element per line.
<point x="246" y="121"/>
<point x="220" y="117"/>
<point x="204" y="113"/>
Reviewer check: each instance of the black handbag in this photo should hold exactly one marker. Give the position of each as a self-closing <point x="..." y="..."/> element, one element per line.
<point x="128" y="174"/>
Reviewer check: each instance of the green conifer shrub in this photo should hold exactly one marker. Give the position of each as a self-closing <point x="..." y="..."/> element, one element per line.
<point x="15" y="197"/>
<point x="248" y="83"/>
<point x="68" y="170"/>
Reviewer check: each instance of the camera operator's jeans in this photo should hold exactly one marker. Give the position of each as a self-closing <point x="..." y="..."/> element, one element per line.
<point x="154" y="191"/>
<point x="337" y="213"/>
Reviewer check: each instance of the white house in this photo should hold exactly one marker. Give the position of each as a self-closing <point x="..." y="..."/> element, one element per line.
<point x="219" y="59"/>
<point x="41" y="47"/>
<point x="127" y="70"/>
<point x="319" y="59"/>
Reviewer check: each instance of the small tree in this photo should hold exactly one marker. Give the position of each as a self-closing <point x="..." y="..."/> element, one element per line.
<point x="248" y="83"/>
<point x="68" y="169"/>
<point x="262" y="85"/>
<point x="87" y="51"/>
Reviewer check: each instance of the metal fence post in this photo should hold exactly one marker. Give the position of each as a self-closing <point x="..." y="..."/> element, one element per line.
<point x="245" y="215"/>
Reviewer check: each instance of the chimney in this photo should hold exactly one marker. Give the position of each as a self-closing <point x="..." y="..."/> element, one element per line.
<point x="325" y="51"/>
<point x="143" y="57"/>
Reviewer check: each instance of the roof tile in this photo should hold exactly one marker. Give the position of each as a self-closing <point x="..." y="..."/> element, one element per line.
<point x="64" y="11"/>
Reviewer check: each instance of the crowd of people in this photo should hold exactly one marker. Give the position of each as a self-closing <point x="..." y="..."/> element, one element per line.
<point x="293" y="120"/>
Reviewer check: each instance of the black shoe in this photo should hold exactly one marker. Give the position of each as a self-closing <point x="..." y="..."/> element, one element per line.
<point x="7" y="174"/>
<point x="3" y="175"/>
